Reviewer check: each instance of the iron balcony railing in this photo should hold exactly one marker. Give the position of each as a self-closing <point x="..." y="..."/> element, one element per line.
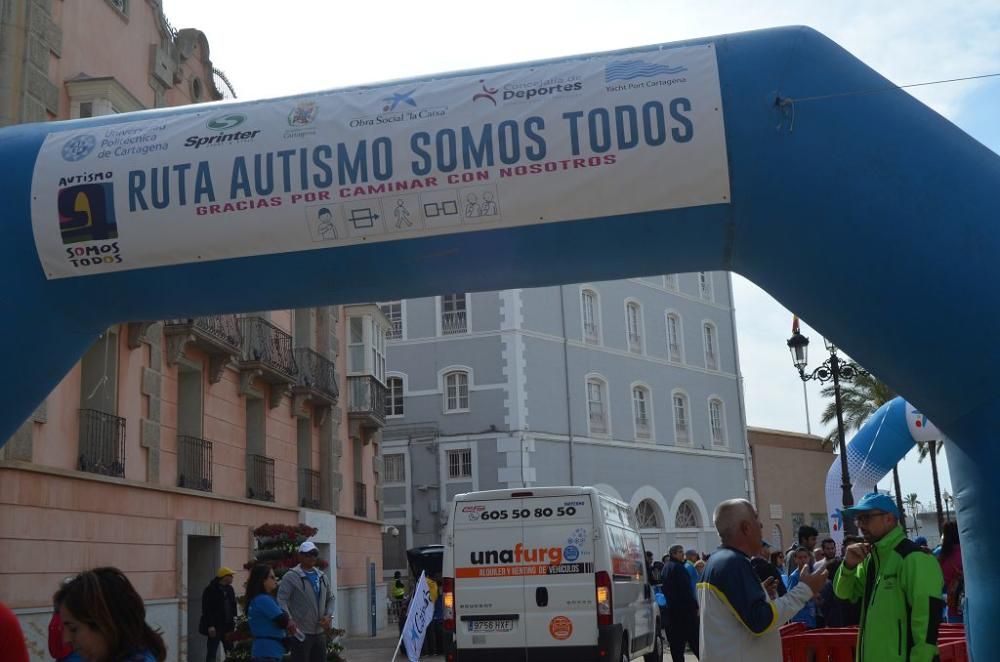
<point x="454" y="322"/>
<point x="268" y="346"/>
<point x="642" y="427"/>
<point x="367" y="397"/>
<point x="675" y="352"/>
<point x="260" y="478"/>
<point x="223" y="328"/>
<point x="681" y="432"/>
<point x="360" y="500"/>
<point x="309" y="488"/>
<point x="634" y="343"/>
<point x="316" y="372"/>
<point x="395" y="331"/>
<point x="712" y="361"/>
<point x="194" y="463"/>
<point x="598" y="423"/>
<point x="590" y="332"/>
<point x="102" y="443"/>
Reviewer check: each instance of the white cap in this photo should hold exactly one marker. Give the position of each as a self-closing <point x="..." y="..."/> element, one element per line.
<point x="306" y="547"/>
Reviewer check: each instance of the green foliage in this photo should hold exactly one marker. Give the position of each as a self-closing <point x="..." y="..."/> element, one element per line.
<point x="860" y="399"/>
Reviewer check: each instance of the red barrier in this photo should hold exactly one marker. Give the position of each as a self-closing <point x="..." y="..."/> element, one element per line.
<point x="838" y="644"/>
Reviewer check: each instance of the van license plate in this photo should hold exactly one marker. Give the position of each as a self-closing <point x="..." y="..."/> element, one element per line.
<point x="497" y="625"/>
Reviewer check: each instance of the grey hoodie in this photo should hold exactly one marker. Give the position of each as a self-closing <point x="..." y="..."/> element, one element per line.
<point x="297" y="597"/>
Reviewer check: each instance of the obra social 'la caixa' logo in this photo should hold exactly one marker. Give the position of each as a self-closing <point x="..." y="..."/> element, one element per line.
<point x="79" y="147"/>
<point x="87" y="213"/>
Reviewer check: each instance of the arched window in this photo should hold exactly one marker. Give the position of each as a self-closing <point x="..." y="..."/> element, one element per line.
<point x="647" y="515"/>
<point x="597" y="408"/>
<point x="674" y="334"/>
<point x="456" y="391"/>
<point x="710" y="337"/>
<point x="682" y="426"/>
<point x="717" y="421"/>
<point x="394" y="397"/>
<point x="591" y="317"/>
<point x="633" y="326"/>
<point x="687" y="516"/>
<point x="641" y="412"/>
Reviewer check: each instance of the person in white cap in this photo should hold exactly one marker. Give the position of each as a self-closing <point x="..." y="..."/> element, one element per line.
<point x="306" y="595"/>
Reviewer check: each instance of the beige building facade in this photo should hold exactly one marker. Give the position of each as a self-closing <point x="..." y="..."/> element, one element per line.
<point x="789" y="473"/>
<point x="171" y="440"/>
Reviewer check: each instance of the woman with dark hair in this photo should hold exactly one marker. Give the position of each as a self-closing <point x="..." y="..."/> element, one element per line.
<point x="104" y="619"/>
<point x="951" y="568"/>
<point x="268" y="622"/>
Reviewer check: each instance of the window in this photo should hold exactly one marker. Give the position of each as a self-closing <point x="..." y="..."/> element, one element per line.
<point x="687" y="516"/>
<point x="454" y="318"/>
<point x="705" y="285"/>
<point x="366" y="334"/>
<point x="647" y="515"/>
<point x="682" y="432"/>
<point x="456" y="391"/>
<point x="460" y="463"/>
<point x="120" y="5"/>
<point x="640" y="411"/>
<point x="633" y="326"/>
<point x="711" y="351"/>
<point x="670" y="281"/>
<point x="716" y="422"/>
<point x="395" y="468"/>
<point x="591" y="319"/>
<point x="393" y="311"/>
<point x="674" y="337"/>
<point x="394" y="401"/>
<point x="596" y="410"/>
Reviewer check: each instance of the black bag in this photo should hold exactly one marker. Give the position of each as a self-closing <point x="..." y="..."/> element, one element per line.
<point x="203" y="625"/>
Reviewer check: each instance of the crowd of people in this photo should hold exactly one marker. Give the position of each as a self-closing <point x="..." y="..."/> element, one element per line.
<point x="728" y="605"/>
<point x="99" y="617"/>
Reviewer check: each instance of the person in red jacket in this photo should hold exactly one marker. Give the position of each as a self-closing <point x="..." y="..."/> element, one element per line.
<point x="14" y="648"/>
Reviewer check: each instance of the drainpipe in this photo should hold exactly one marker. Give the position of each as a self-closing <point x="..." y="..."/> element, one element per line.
<point x="569" y="417"/>
<point x="747" y="457"/>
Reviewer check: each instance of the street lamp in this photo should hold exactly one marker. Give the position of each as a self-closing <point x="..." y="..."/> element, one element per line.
<point x="834" y="369"/>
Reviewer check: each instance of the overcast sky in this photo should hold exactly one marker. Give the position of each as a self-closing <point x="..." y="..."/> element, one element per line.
<point x="271" y="49"/>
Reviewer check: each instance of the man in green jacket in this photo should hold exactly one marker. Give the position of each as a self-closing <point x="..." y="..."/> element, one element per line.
<point x="899" y="586"/>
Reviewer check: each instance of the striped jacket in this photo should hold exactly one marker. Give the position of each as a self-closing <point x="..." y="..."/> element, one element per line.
<point x="739" y="622"/>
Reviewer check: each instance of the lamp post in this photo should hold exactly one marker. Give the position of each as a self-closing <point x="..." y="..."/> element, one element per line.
<point x="834" y="369"/>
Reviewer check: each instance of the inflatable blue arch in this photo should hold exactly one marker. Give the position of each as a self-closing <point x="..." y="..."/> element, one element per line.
<point x="775" y="154"/>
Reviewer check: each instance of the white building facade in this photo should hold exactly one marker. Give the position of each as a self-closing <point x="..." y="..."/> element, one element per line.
<point x="631" y="386"/>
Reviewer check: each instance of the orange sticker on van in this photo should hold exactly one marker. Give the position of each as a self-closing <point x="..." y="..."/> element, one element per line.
<point x="561" y="628"/>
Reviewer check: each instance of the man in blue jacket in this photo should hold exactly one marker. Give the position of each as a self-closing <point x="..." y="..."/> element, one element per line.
<point x="682" y="605"/>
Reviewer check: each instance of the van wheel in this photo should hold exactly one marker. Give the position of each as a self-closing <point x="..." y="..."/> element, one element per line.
<point x="656" y="655"/>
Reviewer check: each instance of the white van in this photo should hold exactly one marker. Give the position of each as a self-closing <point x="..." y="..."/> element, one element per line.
<point x="544" y="575"/>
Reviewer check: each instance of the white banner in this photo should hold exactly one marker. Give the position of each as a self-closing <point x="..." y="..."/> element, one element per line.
<point x="567" y="140"/>
<point x="418" y="619"/>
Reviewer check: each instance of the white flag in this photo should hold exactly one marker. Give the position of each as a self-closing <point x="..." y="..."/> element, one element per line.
<point x="418" y="619"/>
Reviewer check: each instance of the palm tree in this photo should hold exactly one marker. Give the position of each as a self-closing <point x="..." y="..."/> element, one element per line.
<point x="931" y="449"/>
<point x="913" y="503"/>
<point x="860" y="399"/>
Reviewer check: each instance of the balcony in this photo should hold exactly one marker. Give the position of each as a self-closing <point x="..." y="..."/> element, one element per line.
<point x="366" y="403"/>
<point x="218" y="336"/>
<point x="360" y="500"/>
<point x="395" y="331"/>
<point x="260" y="478"/>
<point x="102" y="443"/>
<point x="194" y="463"/>
<point x="681" y="434"/>
<point x="267" y="355"/>
<point x="317" y="377"/>
<point x="590" y="334"/>
<point x="454" y="322"/>
<point x="309" y="482"/>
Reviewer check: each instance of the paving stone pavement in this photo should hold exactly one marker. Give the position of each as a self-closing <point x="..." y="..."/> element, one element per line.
<point x="379" y="649"/>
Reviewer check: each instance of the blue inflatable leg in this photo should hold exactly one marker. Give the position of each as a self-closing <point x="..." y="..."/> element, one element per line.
<point x="973" y="457"/>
